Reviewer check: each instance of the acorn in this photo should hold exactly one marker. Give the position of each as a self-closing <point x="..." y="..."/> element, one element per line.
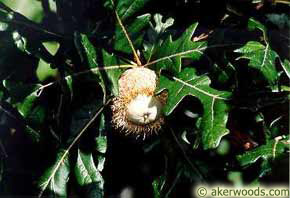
<point x="137" y="109"/>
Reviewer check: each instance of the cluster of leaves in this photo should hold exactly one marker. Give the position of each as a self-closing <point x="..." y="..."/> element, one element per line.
<point x="227" y="99"/>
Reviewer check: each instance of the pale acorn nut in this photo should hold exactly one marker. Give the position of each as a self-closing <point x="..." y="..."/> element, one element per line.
<point x="144" y="109"/>
<point x="137" y="110"/>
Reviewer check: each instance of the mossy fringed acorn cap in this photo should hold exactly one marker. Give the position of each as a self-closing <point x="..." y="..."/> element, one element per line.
<point x="137" y="110"/>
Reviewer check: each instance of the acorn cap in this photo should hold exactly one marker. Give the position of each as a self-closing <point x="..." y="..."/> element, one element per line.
<point x="137" y="79"/>
<point x="137" y="110"/>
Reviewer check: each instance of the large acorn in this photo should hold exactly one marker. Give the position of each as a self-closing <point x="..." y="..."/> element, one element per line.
<point x="137" y="109"/>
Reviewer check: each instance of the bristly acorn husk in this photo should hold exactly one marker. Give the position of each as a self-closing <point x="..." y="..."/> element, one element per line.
<point x="135" y="82"/>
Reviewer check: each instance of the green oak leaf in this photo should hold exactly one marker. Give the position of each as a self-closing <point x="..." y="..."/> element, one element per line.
<point x="262" y="58"/>
<point x="168" y="54"/>
<point x="160" y="27"/>
<point x="154" y="34"/>
<point x="55" y="178"/>
<point x="268" y="151"/>
<point x="19" y="91"/>
<point x="101" y="143"/>
<point x="215" y="115"/>
<point x="91" y="55"/>
<point x="25" y="97"/>
<point x="286" y="67"/>
<point x="44" y="69"/>
<point x="113" y="75"/>
<point x="157" y="185"/>
<point x="126" y="8"/>
<point x="89" y="164"/>
<point x="253" y="25"/>
<point x="87" y="173"/>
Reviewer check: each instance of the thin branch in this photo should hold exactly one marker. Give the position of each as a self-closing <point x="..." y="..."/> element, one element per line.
<point x="188" y="52"/>
<point x="19" y="122"/>
<point x="84" y="72"/>
<point x="35" y="27"/>
<point x="45" y="184"/>
<point x="102" y="68"/>
<point x="3" y="149"/>
<point x="193" y="166"/>
<point x="173" y="184"/>
<point x="12" y="18"/>
<point x="139" y="63"/>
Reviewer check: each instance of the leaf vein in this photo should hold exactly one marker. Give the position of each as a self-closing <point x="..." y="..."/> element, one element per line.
<point x="198" y="89"/>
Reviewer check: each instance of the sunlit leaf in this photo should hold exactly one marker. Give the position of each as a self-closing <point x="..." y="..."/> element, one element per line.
<point x="169" y="53"/>
<point x="154" y="34"/>
<point x="254" y="24"/>
<point x="114" y="74"/>
<point x="26" y="99"/>
<point x="215" y="107"/>
<point x="157" y="186"/>
<point x="101" y="144"/>
<point x="34" y="12"/>
<point x="55" y="178"/>
<point x="50" y="180"/>
<point x="92" y="60"/>
<point x="44" y="69"/>
<point x="20" y="41"/>
<point x="87" y="173"/>
<point x="161" y="26"/>
<point x="262" y="58"/>
<point x="286" y="67"/>
<point x="274" y="148"/>
<point x="126" y="8"/>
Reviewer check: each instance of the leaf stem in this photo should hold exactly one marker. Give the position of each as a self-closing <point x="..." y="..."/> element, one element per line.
<point x="188" y="52"/>
<point x="29" y="23"/>
<point x="137" y="59"/>
<point x="33" y="132"/>
<point x="193" y="166"/>
<point x="85" y="72"/>
<point x="3" y="149"/>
